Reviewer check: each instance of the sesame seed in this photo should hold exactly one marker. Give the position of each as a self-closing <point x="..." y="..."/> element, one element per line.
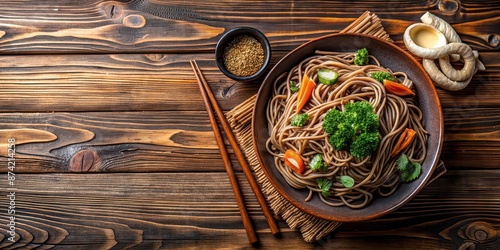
<point x="243" y="56"/>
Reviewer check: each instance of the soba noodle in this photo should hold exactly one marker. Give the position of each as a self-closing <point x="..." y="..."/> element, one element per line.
<point x="374" y="175"/>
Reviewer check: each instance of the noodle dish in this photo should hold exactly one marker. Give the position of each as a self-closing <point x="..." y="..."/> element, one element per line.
<point x="347" y="127"/>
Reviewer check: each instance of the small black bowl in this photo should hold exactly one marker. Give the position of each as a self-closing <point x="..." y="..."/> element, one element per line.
<point x="232" y="34"/>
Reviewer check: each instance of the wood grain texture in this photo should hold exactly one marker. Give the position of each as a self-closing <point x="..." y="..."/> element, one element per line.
<point x="161" y="82"/>
<point x="111" y="83"/>
<point x="177" y="210"/>
<point x="471" y="137"/>
<point x="98" y="26"/>
<point x="105" y="87"/>
<point x="183" y="141"/>
<point x="120" y="141"/>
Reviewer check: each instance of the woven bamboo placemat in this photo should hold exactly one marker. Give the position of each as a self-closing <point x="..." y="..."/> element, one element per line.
<point x="240" y="119"/>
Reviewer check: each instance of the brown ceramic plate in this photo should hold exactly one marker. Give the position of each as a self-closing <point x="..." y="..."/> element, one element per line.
<point x="390" y="56"/>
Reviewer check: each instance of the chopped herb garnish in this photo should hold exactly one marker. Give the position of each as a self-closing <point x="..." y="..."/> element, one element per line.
<point x="317" y="163"/>
<point x="324" y="184"/>
<point x="361" y="57"/>
<point x="293" y="86"/>
<point x="402" y="161"/>
<point x="410" y="171"/>
<point x="381" y="75"/>
<point x="299" y="120"/>
<point x="347" y="181"/>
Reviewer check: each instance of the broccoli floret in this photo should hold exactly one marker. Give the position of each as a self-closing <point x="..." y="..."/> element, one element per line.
<point x="299" y="120"/>
<point x="381" y="75"/>
<point x="361" y="57"/>
<point x="370" y="123"/>
<point x="334" y="118"/>
<point x="365" y="144"/>
<point x="355" y="129"/>
<point x="362" y="116"/>
<point x="342" y="137"/>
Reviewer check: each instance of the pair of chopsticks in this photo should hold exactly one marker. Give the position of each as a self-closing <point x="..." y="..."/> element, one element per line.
<point x="212" y="106"/>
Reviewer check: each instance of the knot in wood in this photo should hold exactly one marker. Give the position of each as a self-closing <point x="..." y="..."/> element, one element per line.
<point x="481" y="235"/>
<point x="112" y="9"/>
<point x="493" y="40"/>
<point x="449" y="7"/>
<point x="82" y="161"/>
<point x="134" y="21"/>
<point x="480" y="231"/>
<point x="155" y="57"/>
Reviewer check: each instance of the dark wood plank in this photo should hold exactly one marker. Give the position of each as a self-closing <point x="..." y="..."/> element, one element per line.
<point x="471" y="133"/>
<point x="113" y="92"/>
<point x="127" y="82"/>
<point x="166" y="210"/>
<point x="449" y="210"/>
<point x="98" y="26"/>
<point x="183" y="141"/>
<point x="114" y="141"/>
<point x="139" y="82"/>
<point x="179" y="210"/>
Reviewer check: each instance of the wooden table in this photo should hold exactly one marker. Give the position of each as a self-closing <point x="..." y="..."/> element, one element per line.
<point x="105" y="88"/>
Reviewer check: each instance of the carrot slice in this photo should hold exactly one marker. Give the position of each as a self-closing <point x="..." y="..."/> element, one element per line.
<point x="397" y="88"/>
<point x="304" y="81"/>
<point x="294" y="161"/>
<point x="404" y="141"/>
<point x="305" y="91"/>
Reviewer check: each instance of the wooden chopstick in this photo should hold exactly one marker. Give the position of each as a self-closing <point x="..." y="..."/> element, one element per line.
<point x="205" y="89"/>
<point x="247" y="223"/>
<point x="239" y="155"/>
